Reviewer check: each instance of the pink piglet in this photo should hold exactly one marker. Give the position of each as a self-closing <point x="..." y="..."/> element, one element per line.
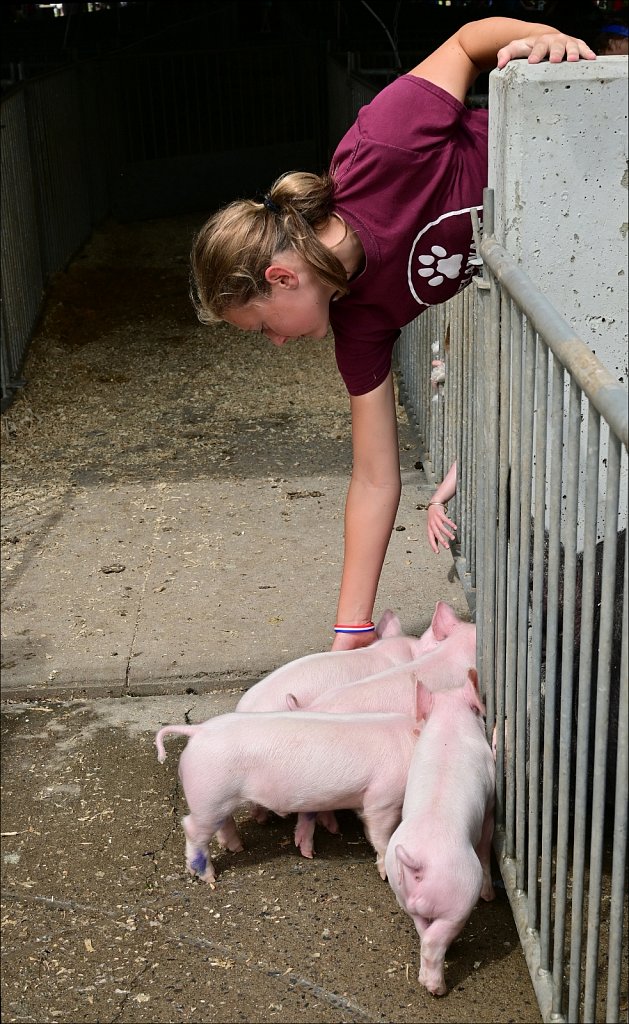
<point x="438" y="859"/>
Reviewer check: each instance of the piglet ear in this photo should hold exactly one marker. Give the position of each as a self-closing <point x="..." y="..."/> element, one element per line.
<point x="423" y="700"/>
<point x="388" y="625"/>
<point x="444" y="620"/>
<point x="291" y="702"/>
<point x="471" y="692"/>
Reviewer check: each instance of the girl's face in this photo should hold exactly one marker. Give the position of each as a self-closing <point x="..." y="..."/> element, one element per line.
<point x="298" y="306"/>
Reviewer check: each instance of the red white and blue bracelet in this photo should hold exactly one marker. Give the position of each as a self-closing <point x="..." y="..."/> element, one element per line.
<point x="365" y="627"/>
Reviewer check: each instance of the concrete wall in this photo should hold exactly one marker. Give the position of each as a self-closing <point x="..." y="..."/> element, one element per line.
<point x="558" y="167"/>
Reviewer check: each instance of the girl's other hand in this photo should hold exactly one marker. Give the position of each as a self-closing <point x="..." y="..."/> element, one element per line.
<point x="554" y="46"/>
<point x="440" y="528"/>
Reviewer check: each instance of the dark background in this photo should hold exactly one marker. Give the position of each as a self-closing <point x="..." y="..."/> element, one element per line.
<point x="33" y="36"/>
<point x="181" y="107"/>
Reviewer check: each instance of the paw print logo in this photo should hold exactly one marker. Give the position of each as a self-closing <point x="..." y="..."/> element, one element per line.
<point x="443" y="258"/>
<point x="437" y="265"/>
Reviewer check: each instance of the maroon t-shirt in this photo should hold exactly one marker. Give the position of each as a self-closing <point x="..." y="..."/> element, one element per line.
<point x="407" y="173"/>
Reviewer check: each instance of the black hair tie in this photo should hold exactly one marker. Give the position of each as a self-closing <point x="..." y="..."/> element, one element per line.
<point x="267" y="202"/>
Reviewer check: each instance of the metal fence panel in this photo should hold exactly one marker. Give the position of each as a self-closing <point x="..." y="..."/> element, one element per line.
<point x="551" y="611"/>
<point x="55" y="187"/>
<point x="431" y="394"/>
<point x="22" y="278"/>
<point x="61" y="187"/>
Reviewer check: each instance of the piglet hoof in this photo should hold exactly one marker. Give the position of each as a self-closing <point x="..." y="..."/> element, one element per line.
<point x="436" y="986"/>
<point x="201" y="866"/>
<point x="233" y="845"/>
<point x="304" y="833"/>
<point x="208" y="879"/>
<point x="382" y="871"/>
<point x="488" y="892"/>
<point x="304" y="845"/>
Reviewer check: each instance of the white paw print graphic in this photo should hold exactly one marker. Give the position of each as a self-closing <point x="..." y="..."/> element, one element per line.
<point x="437" y="264"/>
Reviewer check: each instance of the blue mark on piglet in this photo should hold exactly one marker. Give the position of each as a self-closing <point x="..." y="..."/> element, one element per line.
<point x="199" y="863"/>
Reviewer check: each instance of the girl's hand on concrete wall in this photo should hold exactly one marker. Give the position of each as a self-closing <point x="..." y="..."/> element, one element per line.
<point x="552" y="46"/>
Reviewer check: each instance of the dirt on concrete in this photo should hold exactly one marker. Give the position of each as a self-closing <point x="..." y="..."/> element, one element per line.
<point x="102" y="923"/>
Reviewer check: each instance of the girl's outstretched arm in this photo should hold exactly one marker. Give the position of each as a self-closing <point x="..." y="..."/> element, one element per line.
<point x="372" y="502"/>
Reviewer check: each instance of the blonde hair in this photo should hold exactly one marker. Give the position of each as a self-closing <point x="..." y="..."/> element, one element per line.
<point x="233" y="249"/>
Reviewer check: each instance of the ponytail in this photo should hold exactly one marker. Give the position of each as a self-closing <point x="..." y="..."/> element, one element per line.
<point x="233" y="249"/>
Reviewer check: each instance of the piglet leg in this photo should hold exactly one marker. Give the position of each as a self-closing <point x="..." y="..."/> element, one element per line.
<point x="328" y="820"/>
<point x="379" y="827"/>
<point x="304" y="829"/>
<point x="228" y="837"/>
<point x="304" y="833"/>
<point x="197" y="848"/>
<point x="435" y="939"/>
<point x="483" y="852"/>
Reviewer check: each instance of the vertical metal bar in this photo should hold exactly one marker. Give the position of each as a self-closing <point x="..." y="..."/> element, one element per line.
<point x="502" y="549"/>
<point x="554" y="529"/>
<point x="454" y="419"/>
<point x="479" y="547"/>
<point x="619" y="855"/>
<point x="512" y="578"/>
<point x="455" y="404"/>
<point x="601" y="727"/>
<point x="470" y="343"/>
<point x="583" y="708"/>
<point x="423" y="386"/>
<point x="464" y="467"/>
<point x="481" y="438"/>
<point x="470" y="467"/>
<point x="484" y="551"/>
<point x="449" y="342"/>
<point x="525" y="427"/>
<point x="490" y="457"/>
<point x="535" y="666"/>
<point x="431" y="403"/>
<point x="439" y="407"/>
<point x="567" y="659"/>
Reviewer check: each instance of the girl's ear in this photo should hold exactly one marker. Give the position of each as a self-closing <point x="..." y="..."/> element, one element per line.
<point x="281" y="275"/>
